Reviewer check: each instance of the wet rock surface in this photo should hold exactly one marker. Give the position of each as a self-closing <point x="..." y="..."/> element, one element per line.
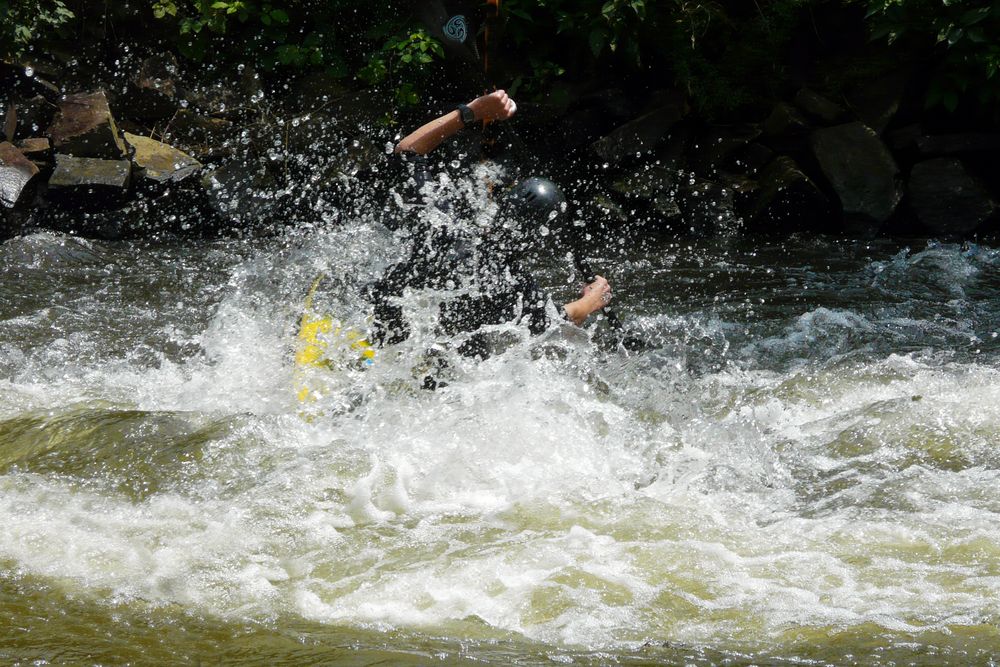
<point x="85" y="128"/>
<point x="159" y="162"/>
<point x="90" y="176"/>
<point x="861" y="170"/>
<point x="16" y="171"/>
<point x="947" y="199"/>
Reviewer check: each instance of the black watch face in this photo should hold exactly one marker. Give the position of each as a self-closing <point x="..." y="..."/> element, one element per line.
<point x="467" y="114"/>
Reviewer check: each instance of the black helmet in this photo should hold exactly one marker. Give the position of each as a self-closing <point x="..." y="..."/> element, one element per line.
<point x="537" y="198"/>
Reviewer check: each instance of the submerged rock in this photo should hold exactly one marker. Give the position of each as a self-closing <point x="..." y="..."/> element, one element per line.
<point x="16" y="171"/>
<point x="861" y="171"/>
<point x="947" y="199"/>
<point x="158" y="161"/>
<point x="82" y="175"/>
<point x="84" y="127"/>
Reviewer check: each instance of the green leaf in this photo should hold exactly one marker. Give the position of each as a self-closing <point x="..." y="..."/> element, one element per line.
<point x="950" y="100"/>
<point x="597" y="40"/>
<point x="265" y="19"/>
<point x="280" y="16"/>
<point x="220" y="5"/>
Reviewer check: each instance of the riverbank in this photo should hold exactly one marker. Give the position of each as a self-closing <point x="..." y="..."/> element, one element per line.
<point x="150" y="143"/>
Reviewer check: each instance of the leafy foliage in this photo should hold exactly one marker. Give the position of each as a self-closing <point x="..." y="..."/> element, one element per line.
<point x="965" y="34"/>
<point x="402" y="61"/>
<point x="22" y="22"/>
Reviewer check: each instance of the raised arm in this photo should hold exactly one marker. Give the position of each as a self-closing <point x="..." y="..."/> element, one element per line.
<point x="493" y="107"/>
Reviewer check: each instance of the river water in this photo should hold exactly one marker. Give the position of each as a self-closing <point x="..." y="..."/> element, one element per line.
<point x="801" y="465"/>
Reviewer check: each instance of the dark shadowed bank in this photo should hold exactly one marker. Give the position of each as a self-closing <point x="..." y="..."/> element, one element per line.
<point x="181" y="117"/>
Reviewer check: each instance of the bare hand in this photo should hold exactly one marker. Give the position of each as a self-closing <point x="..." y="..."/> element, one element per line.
<point x="495" y="106"/>
<point x="598" y="293"/>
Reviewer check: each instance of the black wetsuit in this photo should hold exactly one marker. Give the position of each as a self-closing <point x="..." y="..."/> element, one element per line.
<point x="483" y="272"/>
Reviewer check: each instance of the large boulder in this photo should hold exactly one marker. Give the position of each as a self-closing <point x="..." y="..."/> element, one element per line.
<point x="640" y="135"/>
<point x="244" y="193"/>
<point x="153" y="91"/>
<point x="34" y="115"/>
<point x="84" y="127"/>
<point x="159" y="162"/>
<point x="819" y="107"/>
<point x="861" y="171"/>
<point x="16" y="171"/>
<point x="720" y="142"/>
<point x="90" y="177"/>
<point x="876" y="101"/>
<point x="204" y="137"/>
<point x="947" y="199"/>
<point x="959" y="144"/>
<point x="787" y="200"/>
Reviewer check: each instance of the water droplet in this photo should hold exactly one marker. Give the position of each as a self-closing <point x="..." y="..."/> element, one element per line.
<point x="29" y="71"/>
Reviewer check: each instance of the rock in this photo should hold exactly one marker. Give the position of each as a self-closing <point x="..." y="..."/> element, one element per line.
<point x="861" y="171"/>
<point x="904" y="138"/>
<point x="639" y="135"/>
<point x="786" y="121"/>
<point x="160" y="162"/>
<point x="720" y="142"/>
<point x="819" y="107"/>
<point x="654" y="185"/>
<point x="754" y="157"/>
<point x="15" y="172"/>
<point x="706" y="206"/>
<point x="787" y="200"/>
<point x="89" y="176"/>
<point x="243" y="193"/>
<point x="35" y="146"/>
<point x="34" y="115"/>
<point x="876" y="101"/>
<point x="84" y="127"/>
<point x="204" y="137"/>
<point x="10" y="124"/>
<point x="959" y="144"/>
<point x="153" y="94"/>
<point x="947" y="199"/>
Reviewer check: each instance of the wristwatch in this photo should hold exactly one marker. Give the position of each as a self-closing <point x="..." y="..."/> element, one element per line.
<point x="467" y="115"/>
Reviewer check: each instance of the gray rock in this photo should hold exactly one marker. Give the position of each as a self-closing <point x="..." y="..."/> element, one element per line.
<point x="861" y="171"/>
<point x="819" y="107"/>
<point x="243" y="193"/>
<point x="81" y="175"/>
<point x="15" y="172"/>
<point x="713" y="150"/>
<point x="706" y="206"/>
<point x="947" y="199"/>
<point x="959" y="144"/>
<point x="786" y="121"/>
<point x="37" y="149"/>
<point x="159" y="162"/>
<point x="787" y="200"/>
<point x="84" y="127"/>
<point x="876" y="101"/>
<point x="34" y="115"/>
<point x="639" y="135"/>
<point x="153" y="91"/>
<point x="204" y="137"/>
